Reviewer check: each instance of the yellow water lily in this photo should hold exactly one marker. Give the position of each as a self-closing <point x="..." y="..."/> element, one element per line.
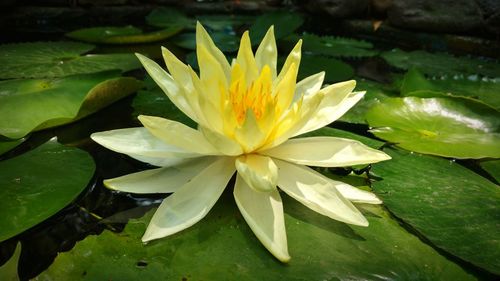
<point x="247" y="114"/>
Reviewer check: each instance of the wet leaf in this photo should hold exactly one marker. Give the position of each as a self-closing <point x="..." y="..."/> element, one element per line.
<point x="454" y="208"/>
<point x="40" y="183"/>
<point x="25" y="103"/>
<point x="121" y="35"/>
<point x="449" y="127"/>
<point x="58" y="59"/>
<point x="222" y="247"/>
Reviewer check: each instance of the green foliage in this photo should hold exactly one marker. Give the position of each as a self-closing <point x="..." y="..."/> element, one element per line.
<point x="168" y="17"/>
<point x="225" y="42"/>
<point x="284" y="22"/>
<point x="121" y="35"/>
<point x="58" y="59"/>
<point x="39" y="183"/>
<point x="493" y="168"/>
<point x="456" y="209"/>
<point x="6" y="145"/>
<point x="8" y="271"/>
<point x="335" y="70"/>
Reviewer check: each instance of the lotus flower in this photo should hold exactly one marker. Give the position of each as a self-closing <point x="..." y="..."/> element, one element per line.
<point x="247" y="115"/>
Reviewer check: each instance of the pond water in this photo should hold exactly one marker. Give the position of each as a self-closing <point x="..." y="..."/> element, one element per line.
<point x="435" y="113"/>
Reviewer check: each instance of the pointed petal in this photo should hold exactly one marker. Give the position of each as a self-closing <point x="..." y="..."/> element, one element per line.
<point x="222" y="143"/>
<point x="246" y="59"/>
<point x="204" y="39"/>
<point x="285" y="89"/>
<point x="161" y="180"/>
<point x="259" y="172"/>
<point x="326" y="152"/>
<point x="169" y="86"/>
<point x="309" y="85"/>
<point x="263" y="212"/>
<point x="293" y="58"/>
<point x="212" y="75"/>
<point x="138" y="141"/>
<point x="249" y="134"/>
<point x="178" y="134"/>
<point x="267" y="52"/>
<point x="192" y="201"/>
<point x="354" y="194"/>
<point x="317" y="193"/>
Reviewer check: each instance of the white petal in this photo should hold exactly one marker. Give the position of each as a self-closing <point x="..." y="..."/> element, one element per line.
<point x="317" y="193"/>
<point x="263" y="212"/>
<point x="139" y="142"/>
<point x="161" y="161"/>
<point x="192" y="201"/>
<point x="178" y="134"/>
<point x="222" y="143"/>
<point x="309" y="85"/>
<point x="161" y="180"/>
<point x="326" y="152"/>
<point x="354" y="194"/>
<point x="259" y="172"/>
<point x="267" y="52"/>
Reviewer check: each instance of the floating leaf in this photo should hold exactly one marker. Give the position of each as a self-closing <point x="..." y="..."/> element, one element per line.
<point x="168" y="17"/>
<point x="39" y="183"/>
<point x="8" y="271"/>
<point x="335" y="70"/>
<point x="285" y="23"/>
<point x="121" y="35"/>
<point x="441" y="126"/>
<point x="441" y="64"/>
<point x="493" y="168"/>
<point x="34" y="104"/>
<point x="225" y="42"/>
<point x="6" y="145"/>
<point x="485" y="90"/>
<point x="456" y="209"/>
<point x="222" y="247"/>
<point x="57" y="59"/>
<point x="225" y="22"/>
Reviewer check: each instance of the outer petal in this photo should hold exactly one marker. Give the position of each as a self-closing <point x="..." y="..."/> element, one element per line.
<point x="267" y="52"/>
<point x="354" y="194"/>
<point x="138" y="141"/>
<point x="293" y="58"/>
<point x="259" y="172"/>
<point x="326" y="152"/>
<point x="309" y="85"/>
<point x="178" y="134"/>
<point x="161" y="180"/>
<point x="203" y="39"/>
<point x="317" y="193"/>
<point x="192" y="201"/>
<point x="169" y="86"/>
<point x="263" y="212"/>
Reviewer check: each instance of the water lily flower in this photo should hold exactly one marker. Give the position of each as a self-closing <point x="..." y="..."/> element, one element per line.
<point x="248" y="114"/>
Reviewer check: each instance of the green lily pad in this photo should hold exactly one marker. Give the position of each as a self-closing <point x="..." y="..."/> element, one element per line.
<point x="121" y="35"/>
<point x="493" y="168"/>
<point x="375" y="92"/>
<point x="57" y="59"/>
<point x="224" y="41"/>
<point x="449" y="127"/>
<point x="168" y="17"/>
<point x="456" y="209"/>
<point x="6" y="145"/>
<point x="225" y="21"/>
<point x="335" y="70"/>
<point x="8" y="271"/>
<point x="285" y="23"/>
<point x="441" y="64"/>
<point x="40" y="183"/>
<point x="25" y="103"/>
<point x="484" y="90"/>
<point x="222" y="247"/>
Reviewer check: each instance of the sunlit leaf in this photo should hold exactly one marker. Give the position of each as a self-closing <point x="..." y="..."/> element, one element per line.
<point x="454" y="208"/>
<point x="34" y="104"/>
<point x="8" y="271"/>
<point x="450" y="127"/>
<point x="40" y="183"/>
<point x="121" y="35"/>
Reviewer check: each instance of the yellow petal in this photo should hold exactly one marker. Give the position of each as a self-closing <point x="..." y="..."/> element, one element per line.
<point x="285" y="89"/>
<point x="293" y="58"/>
<point x="246" y="59"/>
<point x="161" y="180"/>
<point x="267" y="52"/>
<point x="192" y="201"/>
<point x="263" y="212"/>
<point x="259" y="172"/>
<point x="326" y="152"/>
<point x="178" y="134"/>
<point x="249" y="135"/>
<point x="222" y="143"/>
<point x="212" y="76"/>
<point x="317" y="193"/>
<point x="203" y="39"/>
<point x="309" y="85"/>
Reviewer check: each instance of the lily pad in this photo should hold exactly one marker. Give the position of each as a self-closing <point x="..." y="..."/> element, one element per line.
<point x="441" y="63"/>
<point x="335" y="70"/>
<point x="6" y="145"/>
<point x="121" y="35"/>
<point x="225" y="22"/>
<point x="454" y="208"/>
<point x="8" y="271"/>
<point x="25" y="103"/>
<point x="224" y="41"/>
<point x="40" y="183"/>
<point x="222" y="247"/>
<point x="168" y="17"/>
<point x="285" y="23"/>
<point x="483" y="89"/>
<point x="57" y="59"/>
<point x="440" y="126"/>
<point x="493" y="168"/>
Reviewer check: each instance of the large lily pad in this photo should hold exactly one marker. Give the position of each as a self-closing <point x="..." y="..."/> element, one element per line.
<point x="441" y="63"/>
<point x="57" y="59"/>
<point x="456" y="209"/>
<point x="6" y="145"/>
<point x="335" y="70"/>
<point x="121" y="35"/>
<point x="335" y="46"/>
<point x="440" y="126"/>
<point x="34" y="104"/>
<point x="39" y="183"/>
<point x="285" y="23"/>
<point x="222" y="247"/>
